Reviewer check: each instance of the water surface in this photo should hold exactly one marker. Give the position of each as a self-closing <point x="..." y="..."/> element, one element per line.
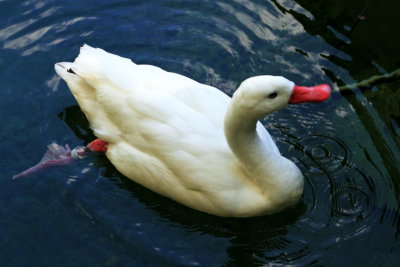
<point x="88" y="213"/>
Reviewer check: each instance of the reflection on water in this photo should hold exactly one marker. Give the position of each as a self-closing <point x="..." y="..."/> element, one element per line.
<point x="89" y="213"/>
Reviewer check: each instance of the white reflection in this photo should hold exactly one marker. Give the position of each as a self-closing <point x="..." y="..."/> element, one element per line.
<point x="33" y="6"/>
<point x="243" y="39"/>
<point x="64" y="25"/>
<point x="224" y="43"/>
<point x="34" y="49"/>
<point x="53" y="83"/>
<point x="26" y="39"/>
<point x="292" y="5"/>
<point x="11" y="30"/>
<point x="341" y="112"/>
<point x="49" y="12"/>
<point x="261" y="31"/>
<point x="77" y="19"/>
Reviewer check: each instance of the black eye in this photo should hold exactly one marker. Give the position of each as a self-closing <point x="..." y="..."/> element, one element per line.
<point x="272" y="95"/>
<point x="71" y="71"/>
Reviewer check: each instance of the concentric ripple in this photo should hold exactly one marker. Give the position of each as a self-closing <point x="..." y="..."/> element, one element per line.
<point x="350" y="202"/>
<point x="339" y="196"/>
<point x="328" y="167"/>
<point x="325" y="154"/>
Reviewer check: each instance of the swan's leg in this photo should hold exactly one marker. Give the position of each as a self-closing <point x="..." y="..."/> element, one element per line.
<point x="98" y="145"/>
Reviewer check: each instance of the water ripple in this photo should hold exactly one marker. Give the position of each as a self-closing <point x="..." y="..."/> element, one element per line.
<point x="328" y="154"/>
<point x="220" y="43"/>
<point x="350" y="202"/>
<point x="26" y="39"/>
<point x="15" y="28"/>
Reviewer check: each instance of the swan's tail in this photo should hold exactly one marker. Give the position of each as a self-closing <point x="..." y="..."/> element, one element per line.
<point x="95" y="63"/>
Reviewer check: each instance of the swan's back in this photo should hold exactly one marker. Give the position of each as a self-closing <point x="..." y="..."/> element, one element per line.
<point x="149" y="90"/>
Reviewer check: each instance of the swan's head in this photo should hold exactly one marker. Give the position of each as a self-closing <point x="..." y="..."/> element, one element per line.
<point x="265" y="94"/>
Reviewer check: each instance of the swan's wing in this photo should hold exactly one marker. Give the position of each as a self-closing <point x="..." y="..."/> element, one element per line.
<point x="138" y="91"/>
<point x="98" y="67"/>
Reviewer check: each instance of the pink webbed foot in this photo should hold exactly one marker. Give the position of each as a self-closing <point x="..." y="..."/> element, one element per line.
<point x="57" y="155"/>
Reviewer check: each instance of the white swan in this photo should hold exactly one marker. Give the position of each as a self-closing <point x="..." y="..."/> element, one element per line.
<point x="186" y="140"/>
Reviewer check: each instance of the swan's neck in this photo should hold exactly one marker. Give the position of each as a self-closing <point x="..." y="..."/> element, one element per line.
<point x="246" y="144"/>
<point x="271" y="172"/>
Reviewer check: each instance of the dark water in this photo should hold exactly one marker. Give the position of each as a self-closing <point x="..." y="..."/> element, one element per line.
<point x="89" y="214"/>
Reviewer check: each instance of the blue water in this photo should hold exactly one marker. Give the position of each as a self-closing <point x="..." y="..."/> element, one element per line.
<point x="89" y="214"/>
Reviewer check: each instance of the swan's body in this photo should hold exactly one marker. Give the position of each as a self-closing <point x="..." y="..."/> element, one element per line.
<point x="186" y="140"/>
